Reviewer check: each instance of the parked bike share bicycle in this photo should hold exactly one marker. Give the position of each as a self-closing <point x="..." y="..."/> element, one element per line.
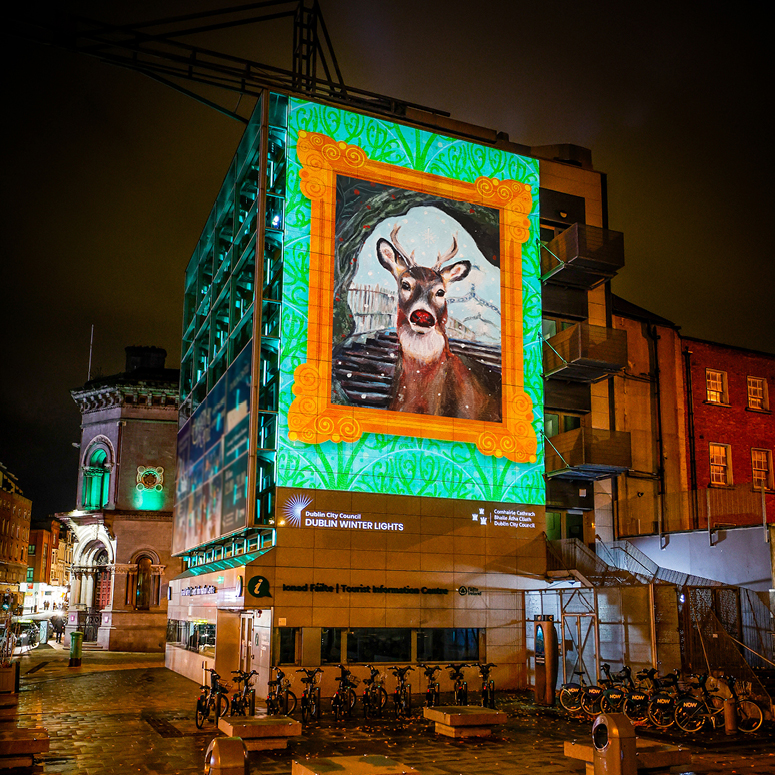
<point x="243" y="702"/>
<point x="432" y="693"/>
<point x="310" y="697"/>
<point x="212" y="699"/>
<point x="280" y="700"/>
<point x="460" y="687"/>
<point x="616" y="687"/>
<point x="374" y="694"/>
<point x="749" y="714"/>
<point x="402" y="696"/>
<point x="661" y="708"/>
<point x="488" y="685"/>
<point x="576" y="697"/>
<point x="343" y="701"/>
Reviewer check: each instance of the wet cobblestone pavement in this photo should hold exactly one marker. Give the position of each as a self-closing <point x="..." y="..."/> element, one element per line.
<point x="126" y="713"/>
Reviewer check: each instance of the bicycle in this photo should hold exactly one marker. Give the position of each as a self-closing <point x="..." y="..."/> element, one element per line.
<point x="212" y="698"/>
<point x="310" y="697"/>
<point x="749" y="714"/>
<point x="374" y="694"/>
<point x="636" y="699"/>
<point x="280" y="700"/>
<point x="661" y="707"/>
<point x="617" y="686"/>
<point x="432" y="693"/>
<point x="488" y="685"/>
<point x="460" y="688"/>
<point x="343" y="701"/>
<point x="244" y="700"/>
<point x="571" y="693"/>
<point x="402" y="696"/>
<point x="691" y="712"/>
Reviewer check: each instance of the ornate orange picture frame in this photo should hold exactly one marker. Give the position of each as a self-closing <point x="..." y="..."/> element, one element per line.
<point x="312" y="417"/>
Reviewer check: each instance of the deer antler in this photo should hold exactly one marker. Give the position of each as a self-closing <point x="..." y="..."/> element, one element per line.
<point x="394" y="239"/>
<point x="446" y="257"/>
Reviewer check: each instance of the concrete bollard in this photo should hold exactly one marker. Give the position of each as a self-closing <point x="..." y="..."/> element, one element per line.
<point x="730" y="717"/>
<point x="613" y="743"/>
<point x="226" y="756"/>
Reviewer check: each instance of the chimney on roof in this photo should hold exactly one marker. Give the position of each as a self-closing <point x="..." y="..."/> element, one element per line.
<point x="144" y="358"/>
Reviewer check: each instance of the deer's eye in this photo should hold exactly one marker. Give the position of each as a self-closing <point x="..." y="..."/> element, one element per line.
<point x="440" y="292"/>
<point x="405" y="286"/>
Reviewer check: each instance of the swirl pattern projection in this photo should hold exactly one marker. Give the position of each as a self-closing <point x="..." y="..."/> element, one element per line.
<point x="331" y="440"/>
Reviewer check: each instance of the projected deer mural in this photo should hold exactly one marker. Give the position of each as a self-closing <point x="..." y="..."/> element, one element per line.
<point x="429" y="378"/>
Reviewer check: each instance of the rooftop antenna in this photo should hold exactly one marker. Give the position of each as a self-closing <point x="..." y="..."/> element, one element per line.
<point x="91" y="346"/>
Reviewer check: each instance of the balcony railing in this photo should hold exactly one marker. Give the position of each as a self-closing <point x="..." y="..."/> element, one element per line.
<point x="585" y="353"/>
<point x="583" y="256"/>
<point x="588" y="454"/>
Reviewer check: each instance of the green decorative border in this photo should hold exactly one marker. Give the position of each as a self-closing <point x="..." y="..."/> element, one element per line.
<point x="389" y="464"/>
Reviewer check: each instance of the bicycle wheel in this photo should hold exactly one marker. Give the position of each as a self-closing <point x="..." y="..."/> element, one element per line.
<point x="690" y="715"/>
<point x="407" y="702"/>
<point x="238" y="707"/>
<point x="491" y="696"/>
<point x="749" y="716"/>
<point x="382" y="698"/>
<point x="590" y="700"/>
<point x="661" y="711"/>
<point x="636" y="708"/>
<point x="351" y="699"/>
<point x="611" y="704"/>
<point x="201" y="713"/>
<point x="304" y="709"/>
<point x="221" y="707"/>
<point x="570" y="698"/>
<point x="314" y="706"/>
<point x="336" y="706"/>
<point x="287" y="703"/>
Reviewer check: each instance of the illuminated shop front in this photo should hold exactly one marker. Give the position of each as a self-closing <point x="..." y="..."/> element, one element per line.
<point x="360" y="457"/>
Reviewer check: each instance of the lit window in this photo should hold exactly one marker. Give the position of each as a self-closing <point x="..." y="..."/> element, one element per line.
<point x="761" y="463"/>
<point x="757" y="394"/>
<point x="720" y="471"/>
<point x="716" y="384"/>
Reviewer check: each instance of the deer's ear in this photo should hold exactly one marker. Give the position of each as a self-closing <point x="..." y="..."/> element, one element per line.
<point x="455" y="272"/>
<point x="390" y="258"/>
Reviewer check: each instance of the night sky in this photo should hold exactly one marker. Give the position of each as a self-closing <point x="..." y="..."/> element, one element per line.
<point x="108" y="177"/>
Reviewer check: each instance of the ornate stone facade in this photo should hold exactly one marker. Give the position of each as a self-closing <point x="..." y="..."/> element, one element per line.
<point x="122" y="559"/>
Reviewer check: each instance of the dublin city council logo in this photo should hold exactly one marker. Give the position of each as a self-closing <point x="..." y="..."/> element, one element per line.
<point x="294" y="507"/>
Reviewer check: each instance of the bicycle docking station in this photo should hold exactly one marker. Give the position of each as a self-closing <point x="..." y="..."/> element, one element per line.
<point x="261" y="733"/>
<point x="464" y="721"/>
<point x="615" y="750"/>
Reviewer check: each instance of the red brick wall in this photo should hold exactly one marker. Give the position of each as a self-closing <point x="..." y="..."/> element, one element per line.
<point x="735" y="425"/>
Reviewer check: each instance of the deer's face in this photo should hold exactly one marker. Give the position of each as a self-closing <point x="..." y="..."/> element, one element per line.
<point x="422" y="300"/>
<point x="422" y="291"/>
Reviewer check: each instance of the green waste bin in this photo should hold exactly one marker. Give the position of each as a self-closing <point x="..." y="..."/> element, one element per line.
<point x="76" y="648"/>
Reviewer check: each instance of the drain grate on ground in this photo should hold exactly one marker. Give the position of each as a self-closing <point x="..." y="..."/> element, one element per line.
<point x="162" y="727"/>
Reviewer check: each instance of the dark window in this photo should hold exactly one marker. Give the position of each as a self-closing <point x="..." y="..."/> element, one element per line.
<point x="448" y="645"/>
<point x="331" y="646"/>
<point x="379" y="645"/>
<point x="286" y="639"/>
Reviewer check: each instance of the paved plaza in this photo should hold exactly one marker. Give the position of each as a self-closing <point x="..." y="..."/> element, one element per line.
<point x="126" y="713"/>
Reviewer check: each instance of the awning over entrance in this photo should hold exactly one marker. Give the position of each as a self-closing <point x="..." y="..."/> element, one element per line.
<point x="223" y="564"/>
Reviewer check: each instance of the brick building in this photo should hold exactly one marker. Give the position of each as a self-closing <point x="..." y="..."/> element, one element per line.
<point x="47" y="580"/>
<point x="15" y="511"/>
<point x="730" y="430"/>
<point x="123" y="517"/>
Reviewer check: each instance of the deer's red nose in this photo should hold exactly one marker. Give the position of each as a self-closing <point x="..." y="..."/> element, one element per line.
<point x="421" y="317"/>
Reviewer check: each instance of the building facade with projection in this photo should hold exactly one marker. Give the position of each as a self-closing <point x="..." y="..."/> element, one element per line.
<point x="397" y="351"/>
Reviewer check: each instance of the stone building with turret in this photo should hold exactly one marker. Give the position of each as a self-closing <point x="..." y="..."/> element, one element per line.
<point x="122" y="522"/>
